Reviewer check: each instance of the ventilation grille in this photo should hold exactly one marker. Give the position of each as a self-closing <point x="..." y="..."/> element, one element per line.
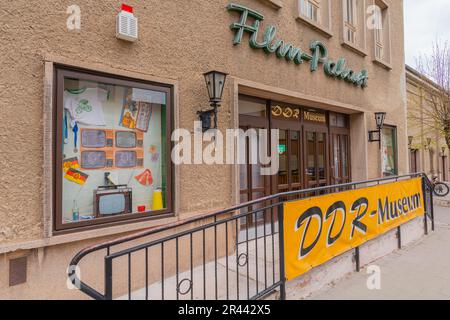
<point x="17" y="271"/>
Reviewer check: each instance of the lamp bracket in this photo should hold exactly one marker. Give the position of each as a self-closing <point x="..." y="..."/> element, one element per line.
<point x="375" y="136"/>
<point x="205" y="117"/>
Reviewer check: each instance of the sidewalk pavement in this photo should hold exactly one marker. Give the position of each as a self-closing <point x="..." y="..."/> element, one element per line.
<point x="445" y="201"/>
<point x="419" y="271"/>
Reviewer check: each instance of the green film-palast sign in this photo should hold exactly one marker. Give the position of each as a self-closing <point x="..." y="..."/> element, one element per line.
<point x="283" y="50"/>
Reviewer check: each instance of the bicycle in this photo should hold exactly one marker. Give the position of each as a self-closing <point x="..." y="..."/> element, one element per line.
<point x="439" y="188"/>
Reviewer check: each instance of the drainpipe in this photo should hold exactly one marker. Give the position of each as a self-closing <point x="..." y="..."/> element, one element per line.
<point x="422" y="133"/>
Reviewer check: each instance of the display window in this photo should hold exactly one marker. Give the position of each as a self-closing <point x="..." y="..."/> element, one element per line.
<point x="112" y="161"/>
<point x="389" y="151"/>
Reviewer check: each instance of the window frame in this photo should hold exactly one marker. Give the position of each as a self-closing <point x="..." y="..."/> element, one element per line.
<point x="323" y="24"/>
<point x="62" y="71"/>
<point x="396" y="151"/>
<point x="309" y="4"/>
<point x="382" y="38"/>
<point x="379" y="39"/>
<point x="358" y="27"/>
<point x="353" y="24"/>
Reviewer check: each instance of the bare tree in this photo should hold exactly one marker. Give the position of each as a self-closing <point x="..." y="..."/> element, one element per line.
<point x="436" y="67"/>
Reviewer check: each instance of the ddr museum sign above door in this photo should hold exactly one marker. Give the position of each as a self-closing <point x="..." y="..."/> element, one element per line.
<point x="318" y="229"/>
<point x="283" y="50"/>
<point x="318" y="117"/>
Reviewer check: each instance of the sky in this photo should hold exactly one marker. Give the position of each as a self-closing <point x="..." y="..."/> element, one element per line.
<point x="425" y="22"/>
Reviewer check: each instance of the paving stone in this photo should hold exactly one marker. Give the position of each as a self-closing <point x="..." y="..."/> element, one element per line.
<point x="419" y="271"/>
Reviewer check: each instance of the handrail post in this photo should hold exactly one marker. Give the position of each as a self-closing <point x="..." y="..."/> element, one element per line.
<point x="108" y="278"/>
<point x="425" y="193"/>
<point x="281" y="251"/>
<point x="432" y="209"/>
<point x="357" y="260"/>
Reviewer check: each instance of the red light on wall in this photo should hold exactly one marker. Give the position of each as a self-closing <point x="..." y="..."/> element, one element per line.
<point x="127" y="8"/>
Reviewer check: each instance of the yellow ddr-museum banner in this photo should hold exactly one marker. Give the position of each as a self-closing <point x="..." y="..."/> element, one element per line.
<point x="319" y="229"/>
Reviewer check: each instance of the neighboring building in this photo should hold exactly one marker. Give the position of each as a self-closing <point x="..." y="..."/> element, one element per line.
<point x="138" y="93"/>
<point x="427" y="145"/>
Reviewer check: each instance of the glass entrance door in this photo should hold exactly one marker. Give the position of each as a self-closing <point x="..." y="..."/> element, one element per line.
<point x="316" y="159"/>
<point x="313" y="147"/>
<point x="253" y="185"/>
<point x="289" y="150"/>
<point x="340" y="169"/>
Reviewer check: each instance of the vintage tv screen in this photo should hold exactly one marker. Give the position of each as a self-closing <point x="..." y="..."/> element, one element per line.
<point x="126" y="159"/>
<point x="126" y="139"/>
<point x="93" y="160"/>
<point x="93" y="138"/>
<point x="111" y="204"/>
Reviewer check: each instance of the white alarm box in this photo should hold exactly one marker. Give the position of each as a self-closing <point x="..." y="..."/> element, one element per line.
<point x="127" y="25"/>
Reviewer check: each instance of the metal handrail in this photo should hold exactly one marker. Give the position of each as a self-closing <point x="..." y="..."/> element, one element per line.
<point x="107" y="245"/>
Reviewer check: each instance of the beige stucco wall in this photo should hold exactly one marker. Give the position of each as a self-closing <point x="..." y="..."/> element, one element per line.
<point x="419" y="103"/>
<point x="179" y="40"/>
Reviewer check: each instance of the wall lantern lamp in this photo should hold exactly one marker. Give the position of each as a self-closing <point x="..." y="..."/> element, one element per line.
<point x="375" y="136"/>
<point x="443" y="151"/>
<point x="215" y="83"/>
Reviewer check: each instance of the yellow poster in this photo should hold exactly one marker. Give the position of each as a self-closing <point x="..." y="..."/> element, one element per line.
<point x="319" y="229"/>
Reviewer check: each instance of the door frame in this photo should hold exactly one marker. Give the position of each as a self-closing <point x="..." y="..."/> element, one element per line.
<point x="315" y="128"/>
<point x="341" y="132"/>
<point x="249" y="122"/>
<point x="413" y="160"/>
<point x="289" y="126"/>
<point x="302" y="126"/>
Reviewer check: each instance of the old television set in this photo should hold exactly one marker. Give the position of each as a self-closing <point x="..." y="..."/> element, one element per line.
<point x="92" y="160"/>
<point x="125" y="159"/>
<point x="96" y="149"/>
<point x="113" y="200"/>
<point x="129" y="139"/>
<point x="97" y="138"/>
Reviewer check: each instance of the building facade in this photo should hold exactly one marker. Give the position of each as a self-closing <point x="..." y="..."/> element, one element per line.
<point x="427" y="145"/>
<point x="84" y="111"/>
